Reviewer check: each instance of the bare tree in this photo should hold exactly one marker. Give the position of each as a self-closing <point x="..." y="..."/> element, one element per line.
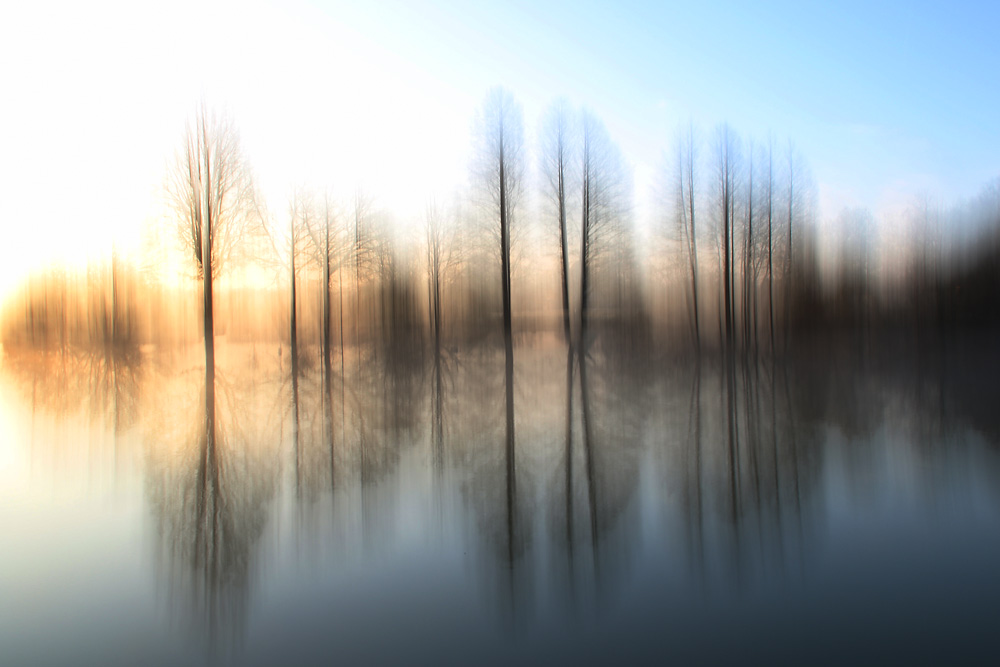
<point x="726" y="159"/>
<point x="749" y="257"/>
<point x="792" y="182"/>
<point x="363" y="254"/>
<point x="328" y="252"/>
<point x="299" y="216"/>
<point x="684" y="215"/>
<point x="212" y="192"/>
<point x="602" y="200"/>
<point x="770" y="241"/>
<point x="555" y="162"/>
<point x="500" y="170"/>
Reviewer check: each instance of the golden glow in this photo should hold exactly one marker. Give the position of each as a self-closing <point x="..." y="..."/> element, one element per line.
<point x="102" y="93"/>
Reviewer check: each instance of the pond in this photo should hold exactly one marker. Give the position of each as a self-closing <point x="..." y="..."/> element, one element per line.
<point x="436" y="509"/>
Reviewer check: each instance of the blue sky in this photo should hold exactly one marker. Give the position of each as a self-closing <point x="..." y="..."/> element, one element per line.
<point x="879" y="97"/>
<point x="886" y="101"/>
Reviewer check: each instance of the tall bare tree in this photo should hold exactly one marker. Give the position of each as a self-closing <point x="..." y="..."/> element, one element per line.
<point x="684" y="213"/>
<point x="435" y="260"/>
<point x="299" y="218"/>
<point x="501" y="169"/>
<point x="793" y="194"/>
<point x="770" y="240"/>
<point x="602" y="186"/>
<point x="328" y="252"/>
<point x="749" y="257"/>
<point x="212" y="192"/>
<point x="725" y="203"/>
<point x="555" y="163"/>
<point x="363" y="254"/>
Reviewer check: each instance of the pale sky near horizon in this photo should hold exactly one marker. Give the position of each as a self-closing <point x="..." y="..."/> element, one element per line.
<point x="886" y="101"/>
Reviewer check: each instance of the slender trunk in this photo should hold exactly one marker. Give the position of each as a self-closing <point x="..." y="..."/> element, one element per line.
<point x="693" y="241"/>
<point x="585" y="245"/>
<point x="328" y="428"/>
<point x="504" y="249"/>
<point x="430" y="274"/>
<point x="208" y="499"/>
<point x="357" y="275"/>
<point x="569" y="463"/>
<point x="207" y="232"/>
<point x="293" y="319"/>
<point x="770" y="247"/>
<point x="340" y="311"/>
<point x="437" y="309"/>
<point x="207" y="306"/>
<point x="692" y="486"/>
<point x="295" y="427"/>
<point x="727" y="229"/>
<point x="788" y="258"/>
<point x="561" y="195"/>
<point x="748" y="259"/>
<point x="326" y="297"/>
<point x="510" y="457"/>
<point x="588" y="448"/>
<point x="115" y="333"/>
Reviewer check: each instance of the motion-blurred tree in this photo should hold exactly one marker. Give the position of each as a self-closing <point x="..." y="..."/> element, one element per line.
<point x="212" y="192"/>
<point x="501" y="166"/>
<point x="555" y="162"/>
<point x="684" y="215"/>
<point x="604" y="195"/>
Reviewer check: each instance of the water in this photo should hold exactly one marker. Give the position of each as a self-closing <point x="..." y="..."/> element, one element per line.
<point x="401" y="510"/>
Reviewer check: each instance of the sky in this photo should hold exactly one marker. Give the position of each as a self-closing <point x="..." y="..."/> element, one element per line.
<point x="886" y="101"/>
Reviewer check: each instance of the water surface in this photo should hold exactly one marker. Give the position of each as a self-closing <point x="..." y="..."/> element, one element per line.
<point x="405" y="508"/>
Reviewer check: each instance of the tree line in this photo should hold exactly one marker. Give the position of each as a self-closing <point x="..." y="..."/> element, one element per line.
<point x="732" y="268"/>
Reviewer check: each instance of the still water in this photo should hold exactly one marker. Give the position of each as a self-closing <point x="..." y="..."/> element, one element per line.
<point x="409" y="509"/>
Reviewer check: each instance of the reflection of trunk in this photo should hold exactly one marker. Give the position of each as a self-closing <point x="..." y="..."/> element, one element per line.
<point x="774" y="450"/>
<point x="209" y="316"/>
<point x="694" y="504"/>
<point x="328" y="418"/>
<point x="340" y="310"/>
<point x="569" y="461"/>
<point x="511" y="470"/>
<point x="750" y="421"/>
<point x="437" y="414"/>
<point x="588" y="448"/>
<point x="295" y="421"/>
<point x="207" y="556"/>
<point x="732" y="453"/>
<point x="795" y="458"/>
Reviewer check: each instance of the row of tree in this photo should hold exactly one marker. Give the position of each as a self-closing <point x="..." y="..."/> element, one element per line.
<point x="738" y="249"/>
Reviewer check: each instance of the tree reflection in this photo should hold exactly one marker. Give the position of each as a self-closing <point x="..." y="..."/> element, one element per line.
<point x="211" y="485"/>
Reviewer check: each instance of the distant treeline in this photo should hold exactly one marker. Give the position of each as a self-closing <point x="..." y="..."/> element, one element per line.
<point x="735" y="262"/>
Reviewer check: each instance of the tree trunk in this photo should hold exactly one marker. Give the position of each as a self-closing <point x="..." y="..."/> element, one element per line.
<point x="561" y="195"/>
